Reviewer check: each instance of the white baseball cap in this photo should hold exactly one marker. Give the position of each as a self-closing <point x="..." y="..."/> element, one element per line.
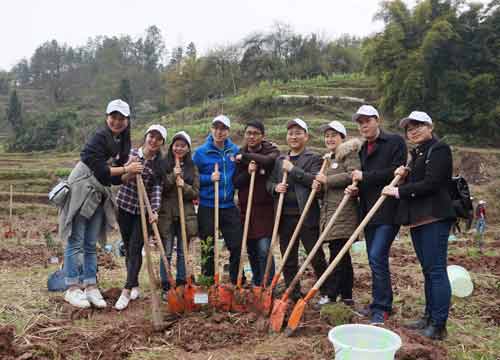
<point x="120" y="106"/>
<point x="365" y="110"/>
<point x="335" y="125"/>
<point x="419" y="116"/>
<point x="299" y="122"/>
<point x="182" y="135"/>
<point x="222" y="119"/>
<point x="160" y="129"/>
<point x="481" y="202"/>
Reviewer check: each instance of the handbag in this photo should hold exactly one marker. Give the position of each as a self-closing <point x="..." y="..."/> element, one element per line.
<point x="59" y="193"/>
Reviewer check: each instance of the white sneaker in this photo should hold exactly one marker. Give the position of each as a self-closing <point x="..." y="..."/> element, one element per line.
<point x="323" y="300"/>
<point x="122" y="302"/>
<point x="77" y="298"/>
<point x="135" y="293"/>
<point x="95" y="298"/>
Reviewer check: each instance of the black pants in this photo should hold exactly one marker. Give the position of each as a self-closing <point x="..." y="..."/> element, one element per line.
<point x="133" y="241"/>
<point x="308" y="236"/>
<point x="343" y="275"/>
<point x="230" y="226"/>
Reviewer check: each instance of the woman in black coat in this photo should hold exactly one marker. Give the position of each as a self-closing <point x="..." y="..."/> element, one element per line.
<point x="425" y="206"/>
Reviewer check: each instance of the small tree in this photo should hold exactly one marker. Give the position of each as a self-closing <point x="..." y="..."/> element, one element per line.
<point x="14" y="113"/>
<point x="125" y="92"/>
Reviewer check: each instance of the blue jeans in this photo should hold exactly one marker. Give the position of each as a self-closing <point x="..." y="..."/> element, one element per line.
<point x="379" y="239"/>
<point x="257" y="255"/>
<point x="480" y="226"/>
<point x="84" y="235"/>
<point x="431" y="245"/>
<point x="180" y="277"/>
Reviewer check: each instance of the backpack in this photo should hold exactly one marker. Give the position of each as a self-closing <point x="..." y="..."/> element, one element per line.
<point x="459" y="193"/>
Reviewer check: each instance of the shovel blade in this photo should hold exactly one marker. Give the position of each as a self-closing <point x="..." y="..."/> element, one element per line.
<point x="189" y="293"/>
<point x="176" y="300"/>
<point x="280" y="308"/>
<point x="256" y="303"/>
<point x="296" y="316"/>
<point x="241" y="300"/>
<point x="267" y="301"/>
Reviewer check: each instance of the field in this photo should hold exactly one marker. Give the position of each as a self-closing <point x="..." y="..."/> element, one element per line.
<point x="36" y="324"/>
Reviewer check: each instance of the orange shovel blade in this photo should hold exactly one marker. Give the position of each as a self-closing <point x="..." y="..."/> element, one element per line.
<point x="280" y="308"/>
<point x="189" y="293"/>
<point x="296" y="316"/>
<point x="176" y="300"/>
<point x="256" y="299"/>
<point x="225" y="297"/>
<point x="241" y="300"/>
<point x="267" y="301"/>
<point x="213" y="296"/>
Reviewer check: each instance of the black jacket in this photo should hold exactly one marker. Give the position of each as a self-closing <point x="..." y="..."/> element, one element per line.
<point x="378" y="171"/>
<point x="426" y="190"/>
<point x="303" y="174"/>
<point x="97" y="152"/>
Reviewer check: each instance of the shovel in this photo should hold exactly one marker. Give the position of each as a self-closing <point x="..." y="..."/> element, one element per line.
<point x="267" y="294"/>
<point x="155" y="299"/>
<point x="175" y="297"/>
<point x="280" y="306"/>
<point x="298" y="310"/>
<point x="242" y="297"/>
<point x="220" y="296"/>
<point x="263" y="299"/>
<point x="190" y="289"/>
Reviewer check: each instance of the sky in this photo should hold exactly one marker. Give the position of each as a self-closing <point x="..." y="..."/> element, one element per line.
<point x="26" y="24"/>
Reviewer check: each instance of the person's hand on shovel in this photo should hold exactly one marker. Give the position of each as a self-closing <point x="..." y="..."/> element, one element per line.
<point x="252" y="167"/>
<point x="215" y="176"/>
<point x="281" y="188"/>
<point x="153" y="218"/>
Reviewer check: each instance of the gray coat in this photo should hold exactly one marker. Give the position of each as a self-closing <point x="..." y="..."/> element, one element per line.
<point x="338" y="177"/>
<point x="85" y="196"/>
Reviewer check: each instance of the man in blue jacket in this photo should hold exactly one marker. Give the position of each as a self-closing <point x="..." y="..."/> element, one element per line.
<point x="218" y="148"/>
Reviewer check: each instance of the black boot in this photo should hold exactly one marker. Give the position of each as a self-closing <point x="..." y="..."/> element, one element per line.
<point x="419" y="324"/>
<point x="434" y="332"/>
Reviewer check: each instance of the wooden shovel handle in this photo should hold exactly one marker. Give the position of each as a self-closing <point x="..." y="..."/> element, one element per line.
<point x="245" y="227"/>
<point x="276" y="226"/>
<point x="216" y="227"/>
<point x="155" y="299"/>
<point x="298" y="227"/>
<point x="319" y="242"/>
<point x="182" y="218"/>
<point x="349" y="242"/>
<point x="142" y="191"/>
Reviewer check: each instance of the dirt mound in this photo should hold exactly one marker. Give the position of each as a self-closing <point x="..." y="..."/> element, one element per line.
<point x="417" y="347"/>
<point x="473" y="167"/>
<point x="483" y="264"/>
<point x="7" y="348"/>
<point x="195" y="333"/>
<point x="27" y="256"/>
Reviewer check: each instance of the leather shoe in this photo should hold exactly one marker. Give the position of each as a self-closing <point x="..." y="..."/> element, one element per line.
<point x="434" y="332"/>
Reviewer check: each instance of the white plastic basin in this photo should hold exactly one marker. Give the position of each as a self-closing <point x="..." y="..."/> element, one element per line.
<point x="460" y="281"/>
<point x="364" y="342"/>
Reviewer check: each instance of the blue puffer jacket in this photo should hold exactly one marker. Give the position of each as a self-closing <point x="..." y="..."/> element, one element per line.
<point x="205" y="158"/>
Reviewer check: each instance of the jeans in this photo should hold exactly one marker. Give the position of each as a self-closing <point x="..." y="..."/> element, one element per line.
<point x="379" y="239"/>
<point x="480" y="226"/>
<point x="83" y="239"/>
<point x="133" y="241"/>
<point x="431" y="245"/>
<point x="168" y="243"/>
<point x="343" y="274"/>
<point x="230" y="226"/>
<point x="258" y="250"/>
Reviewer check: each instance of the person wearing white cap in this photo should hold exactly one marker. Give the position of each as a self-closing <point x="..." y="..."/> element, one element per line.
<point x="186" y="177"/>
<point x="381" y="153"/>
<point x="89" y="212"/>
<point x="302" y="166"/>
<point x="127" y="199"/>
<point x="425" y="205"/>
<point x="344" y="160"/>
<point x="219" y="149"/>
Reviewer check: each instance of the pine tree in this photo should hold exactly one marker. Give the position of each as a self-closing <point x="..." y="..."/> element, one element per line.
<point x="125" y="93"/>
<point x="14" y="113"/>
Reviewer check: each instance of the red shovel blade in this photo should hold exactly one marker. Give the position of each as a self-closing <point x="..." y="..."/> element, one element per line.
<point x="267" y="301"/>
<point x="176" y="300"/>
<point x="280" y="308"/>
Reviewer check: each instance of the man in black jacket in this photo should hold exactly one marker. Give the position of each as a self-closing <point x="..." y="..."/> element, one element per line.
<point x="380" y="155"/>
<point x="302" y="166"/>
<point x="256" y="155"/>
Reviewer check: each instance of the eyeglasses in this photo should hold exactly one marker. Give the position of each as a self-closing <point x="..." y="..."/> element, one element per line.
<point x="414" y="127"/>
<point x="253" y="133"/>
